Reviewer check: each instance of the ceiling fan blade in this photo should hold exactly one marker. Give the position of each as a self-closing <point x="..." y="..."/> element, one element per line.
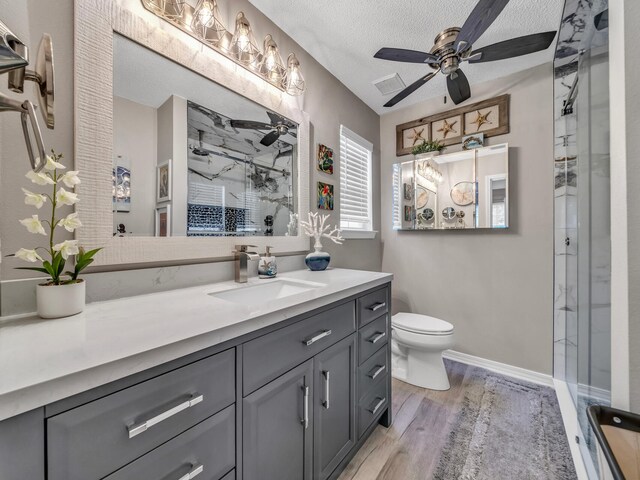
<point x="270" y="138"/>
<point x="601" y="20"/>
<point x="458" y="86"/>
<point x="513" y="48"/>
<point x="275" y="118"/>
<point x="410" y="89"/>
<point x="479" y="21"/>
<point x="250" y="124"/>
<point x="403" y="55"/>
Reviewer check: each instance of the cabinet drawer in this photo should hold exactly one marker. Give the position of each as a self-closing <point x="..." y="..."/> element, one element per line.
<point x="204" y="452"/>
<point x="372" y="337"/>
<point x="372" y="371"/>
<point x="271" y="355"/>
<point x="371" y="406"/>
<point x="96" y="439"/>
<point x="372" y="305"/>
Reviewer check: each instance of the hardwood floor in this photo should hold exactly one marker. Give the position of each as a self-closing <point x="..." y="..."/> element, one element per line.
<point x="410" y="448"/>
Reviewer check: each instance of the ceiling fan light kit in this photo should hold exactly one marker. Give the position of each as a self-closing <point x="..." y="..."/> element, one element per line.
<point x="454" y="46"/>
<point x="204" y="23"/>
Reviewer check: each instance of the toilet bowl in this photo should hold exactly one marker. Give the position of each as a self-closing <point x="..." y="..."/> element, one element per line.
<point x="417" y="344"/>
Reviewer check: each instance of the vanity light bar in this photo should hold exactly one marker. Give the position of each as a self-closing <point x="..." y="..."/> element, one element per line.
<point x="203" y="23"/>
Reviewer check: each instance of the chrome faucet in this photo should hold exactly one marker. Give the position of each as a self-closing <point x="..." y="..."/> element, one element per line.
<point x="242" y="256"/>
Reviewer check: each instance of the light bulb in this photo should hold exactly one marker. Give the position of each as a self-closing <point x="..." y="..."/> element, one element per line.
<point x="205" y="14"/>
<point x="294" y="83"/>
<point x="206" y="23"/>
<point x="243" y="45"/>
<point x="271" y="65"/>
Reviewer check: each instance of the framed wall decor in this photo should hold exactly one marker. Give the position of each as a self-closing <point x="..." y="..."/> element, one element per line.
<point x="325" y="196"/>
<point x="489" y="117"/>
<point x="325" y="159"/>
<point x="163" y="221"/>
<point x="163" y="182"/>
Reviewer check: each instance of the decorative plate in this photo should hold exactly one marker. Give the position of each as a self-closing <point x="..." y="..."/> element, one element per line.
<point x="427" y="215"/>
<point x="422" y="197"/>
<point x="449" y="213"/>
<point x="462" y="193"/>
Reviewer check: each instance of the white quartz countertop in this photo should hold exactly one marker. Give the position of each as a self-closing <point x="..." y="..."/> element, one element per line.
<point x="42" y="361"/>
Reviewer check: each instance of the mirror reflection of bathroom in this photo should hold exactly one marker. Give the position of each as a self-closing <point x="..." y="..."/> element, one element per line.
<point x="461" y="190"/>
<point x="192" y="158"/>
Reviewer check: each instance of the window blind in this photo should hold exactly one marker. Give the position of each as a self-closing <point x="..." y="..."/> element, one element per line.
<point x="355" y="181"/>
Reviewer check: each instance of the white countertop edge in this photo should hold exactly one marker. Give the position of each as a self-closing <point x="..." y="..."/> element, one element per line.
<point x="38" y="395"/>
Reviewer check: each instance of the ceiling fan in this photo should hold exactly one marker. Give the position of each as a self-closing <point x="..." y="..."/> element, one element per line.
<point x="455" y="45"/>
<point x="279" y="126"/>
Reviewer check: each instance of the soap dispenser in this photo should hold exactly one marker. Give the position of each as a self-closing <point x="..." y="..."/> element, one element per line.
<point x="267" y="267"/>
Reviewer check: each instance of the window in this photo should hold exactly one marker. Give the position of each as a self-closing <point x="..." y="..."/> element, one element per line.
<point x="356" y="215"/>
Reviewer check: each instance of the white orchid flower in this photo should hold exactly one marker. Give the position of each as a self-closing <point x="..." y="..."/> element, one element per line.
<point x="33" y="225"/>
<point x="67" y="248"/>
<point x="70" y="179"/>
<point x="28" y="255"/>
<point x="51" y="164"/>
<point x="39" y="178"/>
<point x="35" y="199"/>
<point x="70" y="222"/>
<point x="66" y="198"/>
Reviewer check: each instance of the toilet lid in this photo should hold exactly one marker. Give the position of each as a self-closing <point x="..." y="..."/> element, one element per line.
<point x="416" y="323"/>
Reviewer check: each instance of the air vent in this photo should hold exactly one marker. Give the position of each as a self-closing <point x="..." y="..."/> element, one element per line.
<point x="389" y="84"/>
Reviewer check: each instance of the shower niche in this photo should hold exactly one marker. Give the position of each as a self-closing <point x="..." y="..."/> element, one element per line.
<point x="462" y="190"/>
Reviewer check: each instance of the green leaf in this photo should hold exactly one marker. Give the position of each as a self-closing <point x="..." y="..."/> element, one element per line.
<point x="35" y="269"/>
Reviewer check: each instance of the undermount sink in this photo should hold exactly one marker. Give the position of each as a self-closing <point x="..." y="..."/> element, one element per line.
<point x="264" y="292"/>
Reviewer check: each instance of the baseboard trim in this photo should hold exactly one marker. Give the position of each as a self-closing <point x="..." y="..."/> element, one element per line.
<point x="502" y="368"/>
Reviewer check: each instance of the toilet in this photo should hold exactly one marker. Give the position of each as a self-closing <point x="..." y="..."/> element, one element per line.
<point x="417" y="344"/>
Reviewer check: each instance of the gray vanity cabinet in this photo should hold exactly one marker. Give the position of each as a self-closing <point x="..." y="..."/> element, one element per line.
<point x="293" y="401"/>
<point x="334" y="406"/>
<point x="277" y="428"/>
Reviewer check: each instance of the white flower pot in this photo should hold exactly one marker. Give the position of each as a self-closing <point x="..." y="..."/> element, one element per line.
<point x="55" y="301"/>
<point x="422" y="156"/>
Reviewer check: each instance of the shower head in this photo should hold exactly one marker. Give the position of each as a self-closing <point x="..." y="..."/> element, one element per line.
<point x="199" y="151"/>
<point x="13" y="53"/>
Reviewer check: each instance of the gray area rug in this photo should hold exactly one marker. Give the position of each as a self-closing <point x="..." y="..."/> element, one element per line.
<point x="506" y="429"/>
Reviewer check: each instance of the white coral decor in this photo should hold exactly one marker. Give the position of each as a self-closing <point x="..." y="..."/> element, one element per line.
<point x="316" y="228"/>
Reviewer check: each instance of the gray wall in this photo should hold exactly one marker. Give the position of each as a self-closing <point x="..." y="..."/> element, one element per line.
<point x="625" y="216"/>
<point x="327" y="101"/>
<point x="495" y="287"/>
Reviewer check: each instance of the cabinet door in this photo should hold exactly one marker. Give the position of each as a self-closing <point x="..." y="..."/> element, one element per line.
<point x="278" y="428"/>
<point x="334" y="406"/>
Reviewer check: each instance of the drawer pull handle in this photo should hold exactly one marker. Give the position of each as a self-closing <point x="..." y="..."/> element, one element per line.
<point x="141" y="427"/>
<point x="305" y="407"/>
<point x="378" y="371"/>
<point x="195" y="471"/>
<point x="325" y="402"/>
<point x="377" y="337"/>
<point x="377" y="306"/>
<point x="320" y="336"/>
<point x="375" y="409"/>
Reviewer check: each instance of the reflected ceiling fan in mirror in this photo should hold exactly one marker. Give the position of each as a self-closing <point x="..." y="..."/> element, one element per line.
<point x="279" y="126"/>
<point x="455" y="45"/>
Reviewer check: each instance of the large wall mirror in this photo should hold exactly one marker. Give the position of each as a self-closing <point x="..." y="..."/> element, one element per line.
<point x="192" y="158"/>
<point x="180" y="150"/>
<point x="463" y="190"/>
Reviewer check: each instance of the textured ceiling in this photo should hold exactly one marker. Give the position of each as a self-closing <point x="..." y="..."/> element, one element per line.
<point x="343" y="36"/>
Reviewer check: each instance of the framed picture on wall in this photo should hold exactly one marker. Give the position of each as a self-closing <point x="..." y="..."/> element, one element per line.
<point x="163" y="182"/>
<point x="325" y="159"/>
<point x="121" y="178"/>
<point x="325" y="196"/>
<point x="163" y="221"/>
